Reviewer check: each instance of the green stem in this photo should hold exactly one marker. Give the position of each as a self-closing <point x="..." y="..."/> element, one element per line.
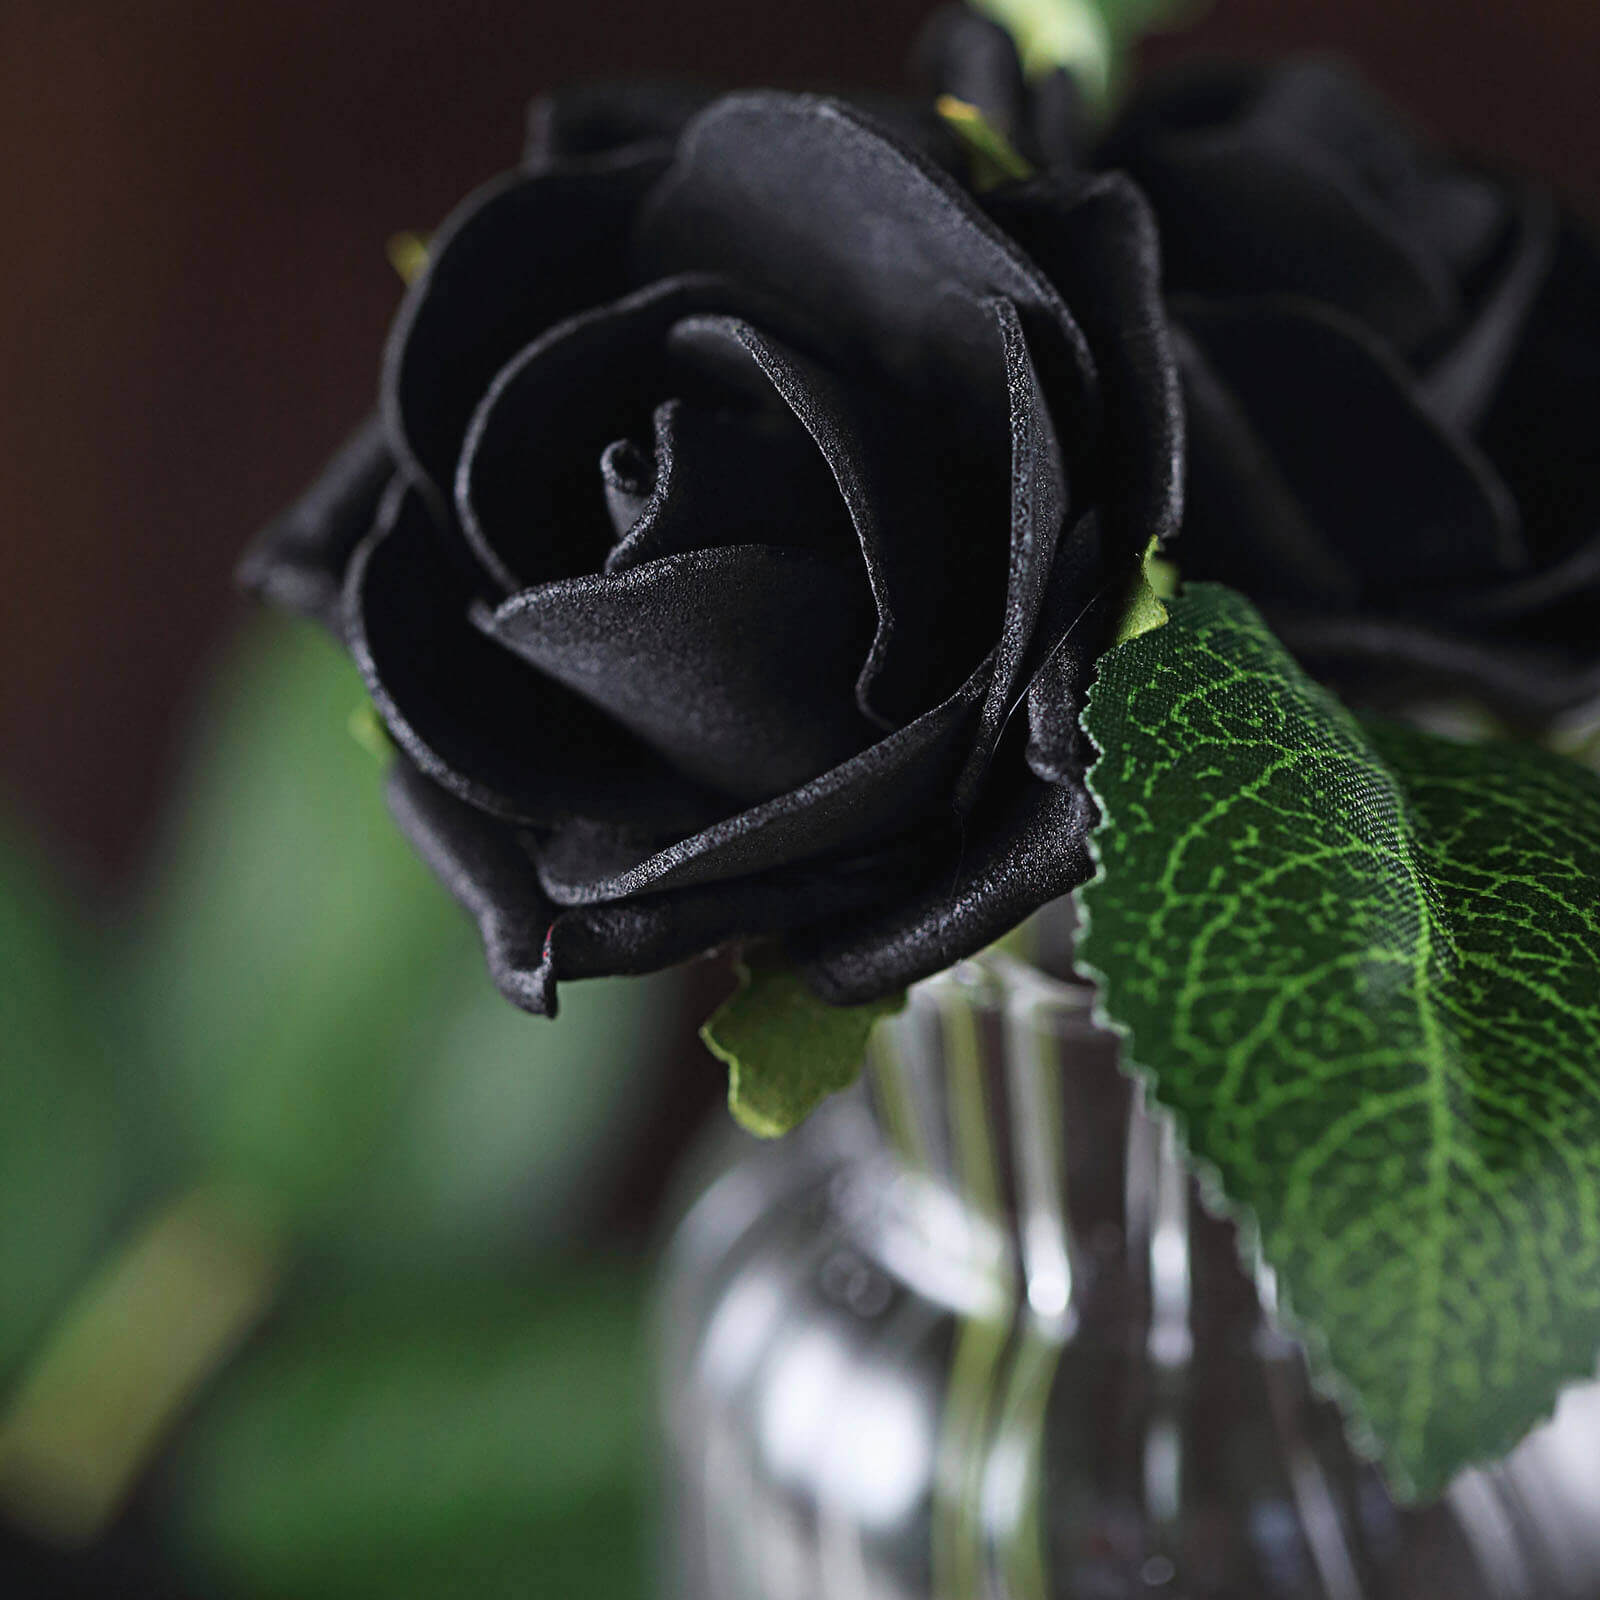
<point x="126" y="1360"/>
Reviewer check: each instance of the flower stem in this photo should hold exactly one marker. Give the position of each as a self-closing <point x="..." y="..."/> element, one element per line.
<point x="127" y="1358"/>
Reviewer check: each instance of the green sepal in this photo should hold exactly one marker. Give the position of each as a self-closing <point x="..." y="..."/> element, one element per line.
<point x="1145" y="610"/>
<point x="785" y="1050"/>
<point x="991" y="157"/>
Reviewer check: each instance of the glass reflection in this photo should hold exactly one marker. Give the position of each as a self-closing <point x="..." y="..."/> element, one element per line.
<point x="973" y="1333"/>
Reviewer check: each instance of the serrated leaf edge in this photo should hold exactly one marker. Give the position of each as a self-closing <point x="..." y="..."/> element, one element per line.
<point x="1327" y="1380"/>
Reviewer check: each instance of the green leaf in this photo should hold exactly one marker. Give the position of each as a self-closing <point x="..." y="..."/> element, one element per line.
<point x="61" y="1167"/>
<point x="504" y="1124"/>
<point x="786" y="1051"/>
<point x="288" y="933"/>
<point x="1127" y="19"/>
<point x="1362" y="964"/>
<point x="319" y="1008"/>
<point x="431" y="1437"/>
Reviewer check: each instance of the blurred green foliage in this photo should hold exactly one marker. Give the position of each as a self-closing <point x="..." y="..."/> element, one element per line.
<point x="61" y="1165"/>
<point x="443" y="1400"/>
<point x="489" y="1441"/>
<point x="318" y="1015"/>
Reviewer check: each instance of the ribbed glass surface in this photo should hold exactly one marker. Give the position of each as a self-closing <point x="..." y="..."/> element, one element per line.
<point x="973" y="1333"/>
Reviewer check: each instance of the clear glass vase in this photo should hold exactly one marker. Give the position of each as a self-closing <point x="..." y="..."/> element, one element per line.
<point x="972" y="1333"/>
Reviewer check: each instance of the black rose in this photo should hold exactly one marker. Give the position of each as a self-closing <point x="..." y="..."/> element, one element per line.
<point x="747" y="506"/>
<point x="1392" y="369"/>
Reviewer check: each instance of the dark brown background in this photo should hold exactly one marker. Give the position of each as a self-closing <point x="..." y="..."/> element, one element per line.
<point x="193" y="287"/>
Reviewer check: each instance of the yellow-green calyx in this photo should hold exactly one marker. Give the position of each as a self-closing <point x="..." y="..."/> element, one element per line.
<point x="992" y="157"/>
<point x="1143" y="611"/>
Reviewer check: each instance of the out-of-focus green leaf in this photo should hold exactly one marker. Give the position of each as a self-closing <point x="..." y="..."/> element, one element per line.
<point x="507" y="1119"/>
<point x="318" y="1007"/>
<point x="1127" y="19"/>
<point x="291" y="931"/>
<point x="60" y="1167"/>
<point x="429" y="1439"/>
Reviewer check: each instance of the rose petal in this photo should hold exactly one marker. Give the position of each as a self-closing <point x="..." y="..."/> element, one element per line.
<point x="900" y="784"/>
<point x="1389" y="660"/>
<point x="1541" y="431"/>
<point x="530" y="945"/>
<point x="1038" y="511"/>
<point x="936" y="587"/>
<point x="1096" y="241"/>
<point x="1301" y="180"/>
<point x="1526" y="645"/>
<point x="299" y="561"/>
<point x="723" y="477"/>
<point x="594" y="119"/>
<point x="1244" y="519"/>
<point x="807" y="200"/>
<point x="485" y="865"/>
<point x="520" y="254"/>
<point x="1340" y="427"/>
<point x="1081" y="610"/>
<point x="629" y="477"/>
<point x="736" y="664"/>
<point x="472" y="716"/>
<point x="1022" y="851"/>
<point x="1554" y="605"/>
<point x="529" y="491"/>
<point x="655" y="931"/>
<point x="1460" y="385"/>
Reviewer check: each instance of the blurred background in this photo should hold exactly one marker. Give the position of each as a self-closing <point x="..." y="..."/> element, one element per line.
<point x="321" y="1271"/>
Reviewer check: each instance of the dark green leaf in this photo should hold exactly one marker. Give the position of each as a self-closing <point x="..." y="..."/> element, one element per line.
<point x="1362" y="963"/>
<point x="60" y="1163"/>
<point x="319" y="1007"/>
<point x="431" y="1438"/>
<point x="507" y="1122"/>
<point x="786" y="1051"/>
<point x="1127" y="19"/>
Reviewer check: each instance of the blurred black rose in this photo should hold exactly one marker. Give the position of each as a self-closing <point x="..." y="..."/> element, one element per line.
<point x="1392" y="371"/>
<point x="738" y="476"/>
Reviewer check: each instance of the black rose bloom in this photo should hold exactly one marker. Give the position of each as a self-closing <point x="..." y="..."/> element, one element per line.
<point x="1392" y="371"/>
<point x="747" y="505"/>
